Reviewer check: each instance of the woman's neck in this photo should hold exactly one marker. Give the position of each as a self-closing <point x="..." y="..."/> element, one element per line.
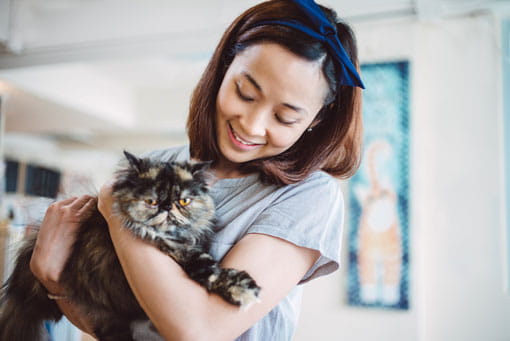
<point x="224" y="169"/>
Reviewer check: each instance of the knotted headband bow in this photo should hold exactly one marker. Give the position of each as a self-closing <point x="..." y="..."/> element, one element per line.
<point x="325" y="32"/>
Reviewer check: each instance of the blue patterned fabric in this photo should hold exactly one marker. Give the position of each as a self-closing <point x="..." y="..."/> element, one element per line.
<point x="321" y="29"/>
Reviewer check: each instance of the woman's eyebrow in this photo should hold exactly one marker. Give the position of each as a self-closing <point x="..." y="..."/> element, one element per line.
<point x="259" y="88"/>
<point x="252" y="81"/>
<point x="296" y="109"/>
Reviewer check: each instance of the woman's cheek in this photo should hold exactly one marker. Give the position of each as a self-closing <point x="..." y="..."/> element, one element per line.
<point x="283" y="138"/>
<point x="228" y="106"/>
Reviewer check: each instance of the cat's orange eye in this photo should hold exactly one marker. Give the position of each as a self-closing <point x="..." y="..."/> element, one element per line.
<point x="151" y="202"/>
<point x="184" y="202"/>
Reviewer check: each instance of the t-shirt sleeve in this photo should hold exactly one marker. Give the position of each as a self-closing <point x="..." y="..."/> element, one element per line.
<point x="311" y="215"/>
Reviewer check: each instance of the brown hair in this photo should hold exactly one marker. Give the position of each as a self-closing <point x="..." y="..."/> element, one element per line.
<point x="334" y="143"/>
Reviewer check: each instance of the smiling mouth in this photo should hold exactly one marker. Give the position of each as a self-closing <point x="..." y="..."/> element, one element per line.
<point x="240" y="140"/>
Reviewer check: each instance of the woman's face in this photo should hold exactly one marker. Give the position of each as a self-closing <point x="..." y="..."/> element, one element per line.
<point x="268" y="98"/>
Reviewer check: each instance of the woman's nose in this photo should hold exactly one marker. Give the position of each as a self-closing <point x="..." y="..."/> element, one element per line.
<point x="255" y="122"/>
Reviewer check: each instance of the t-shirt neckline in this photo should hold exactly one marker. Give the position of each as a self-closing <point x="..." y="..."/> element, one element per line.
<point x="235" y="182"/>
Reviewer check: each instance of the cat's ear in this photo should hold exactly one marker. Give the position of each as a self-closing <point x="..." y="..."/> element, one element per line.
<point x="201" y="170"/>
<point x="134" y="162"/>
<point x="198" y="166"/>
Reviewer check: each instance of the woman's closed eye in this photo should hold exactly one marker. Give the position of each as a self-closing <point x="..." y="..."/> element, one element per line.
<point x="242" y="95"/>
<point x="285" y="121"/>
<point x="279" y="117"/>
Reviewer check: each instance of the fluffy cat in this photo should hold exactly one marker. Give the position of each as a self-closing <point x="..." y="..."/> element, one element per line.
<point x="164" y="203"/>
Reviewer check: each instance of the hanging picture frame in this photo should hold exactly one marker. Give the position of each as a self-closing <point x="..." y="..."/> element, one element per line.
<point x="379" y="193"/>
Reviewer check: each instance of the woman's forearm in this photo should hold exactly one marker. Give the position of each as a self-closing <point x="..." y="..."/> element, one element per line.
<point x="75" y="316"/>
<point x="179" y="308"/>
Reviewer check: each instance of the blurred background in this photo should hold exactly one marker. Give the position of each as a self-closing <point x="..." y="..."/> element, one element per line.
<point x="81" y="80"/>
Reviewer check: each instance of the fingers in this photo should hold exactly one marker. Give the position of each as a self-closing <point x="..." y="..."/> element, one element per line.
<point x="66" y="201"/>
<point x="73" y="202"/>
<point x="88" y="208"/>
<point x="91" y="203"/>
<point x="79" y="203"/>
<point x="73" y="210"/>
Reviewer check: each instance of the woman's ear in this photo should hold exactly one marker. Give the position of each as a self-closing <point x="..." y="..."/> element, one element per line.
<point x="314" y="123"/>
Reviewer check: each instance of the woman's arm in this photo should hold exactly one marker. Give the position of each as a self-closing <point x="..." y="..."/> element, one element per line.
<point x="183" y="310"/>
<point x="53" y="247"/>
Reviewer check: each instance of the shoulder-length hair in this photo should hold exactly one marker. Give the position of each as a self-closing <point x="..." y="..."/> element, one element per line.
<point x="334" y="143"/>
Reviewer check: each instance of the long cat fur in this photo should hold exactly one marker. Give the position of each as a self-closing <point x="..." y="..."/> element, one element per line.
<point x="147" y="196"/>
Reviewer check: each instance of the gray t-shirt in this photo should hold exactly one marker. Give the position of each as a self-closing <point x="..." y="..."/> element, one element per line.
<point x="308" y="214"/>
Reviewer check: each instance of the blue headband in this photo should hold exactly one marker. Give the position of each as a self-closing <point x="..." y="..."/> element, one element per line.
<point x="325" y="32"/>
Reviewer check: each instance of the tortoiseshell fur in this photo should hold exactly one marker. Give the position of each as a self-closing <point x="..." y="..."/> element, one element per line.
<point x="164" y="203"/>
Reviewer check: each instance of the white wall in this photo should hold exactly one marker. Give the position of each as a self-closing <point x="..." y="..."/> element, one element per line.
<point x="456" y="228"/>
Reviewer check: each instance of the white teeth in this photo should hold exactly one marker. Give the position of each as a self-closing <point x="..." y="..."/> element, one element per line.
<point x="239" y="139"/>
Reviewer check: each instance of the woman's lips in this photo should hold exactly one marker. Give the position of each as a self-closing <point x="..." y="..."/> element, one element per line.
<point x="238" y="141"/>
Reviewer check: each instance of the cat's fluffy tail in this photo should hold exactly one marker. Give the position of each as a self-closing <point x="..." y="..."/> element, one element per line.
<point x="24" y="305"/>
<point x="17" y="323"/>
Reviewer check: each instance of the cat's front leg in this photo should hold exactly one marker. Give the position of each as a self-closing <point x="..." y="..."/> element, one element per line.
<point x="235" y="286"/>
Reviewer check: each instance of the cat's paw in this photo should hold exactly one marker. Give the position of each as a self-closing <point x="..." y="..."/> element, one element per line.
<point x="246" y="293"/>
<point x="238" y="288"/>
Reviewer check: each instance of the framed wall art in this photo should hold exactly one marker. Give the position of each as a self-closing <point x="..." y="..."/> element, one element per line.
<point x="378" y="274"/>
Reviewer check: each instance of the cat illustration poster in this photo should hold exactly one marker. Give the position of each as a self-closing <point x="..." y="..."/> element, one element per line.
<point x="379" y="193"/>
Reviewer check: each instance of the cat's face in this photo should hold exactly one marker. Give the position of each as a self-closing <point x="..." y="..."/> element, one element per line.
<point x="163" y="195"/>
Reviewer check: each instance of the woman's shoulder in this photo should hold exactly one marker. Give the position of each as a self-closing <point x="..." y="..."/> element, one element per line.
<point x="320" y="177"/>
<point x="176" y="153"/>
<point x="316" y="196"/>
<point x="309" y="214"/>
<point x="315" y="185"/>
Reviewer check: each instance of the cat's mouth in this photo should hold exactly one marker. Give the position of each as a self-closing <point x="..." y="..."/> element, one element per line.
<point x="162" y="221"/>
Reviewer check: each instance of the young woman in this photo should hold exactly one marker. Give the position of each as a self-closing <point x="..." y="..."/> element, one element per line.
<point x="278" y="112"/>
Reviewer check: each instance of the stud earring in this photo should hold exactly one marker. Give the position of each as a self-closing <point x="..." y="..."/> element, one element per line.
<point x="309" y="129"/>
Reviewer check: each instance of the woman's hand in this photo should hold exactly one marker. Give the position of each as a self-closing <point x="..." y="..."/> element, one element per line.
<point x="53" y="247"/>
<point x="56" y="238"/>
<point x="105" y="200"/>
